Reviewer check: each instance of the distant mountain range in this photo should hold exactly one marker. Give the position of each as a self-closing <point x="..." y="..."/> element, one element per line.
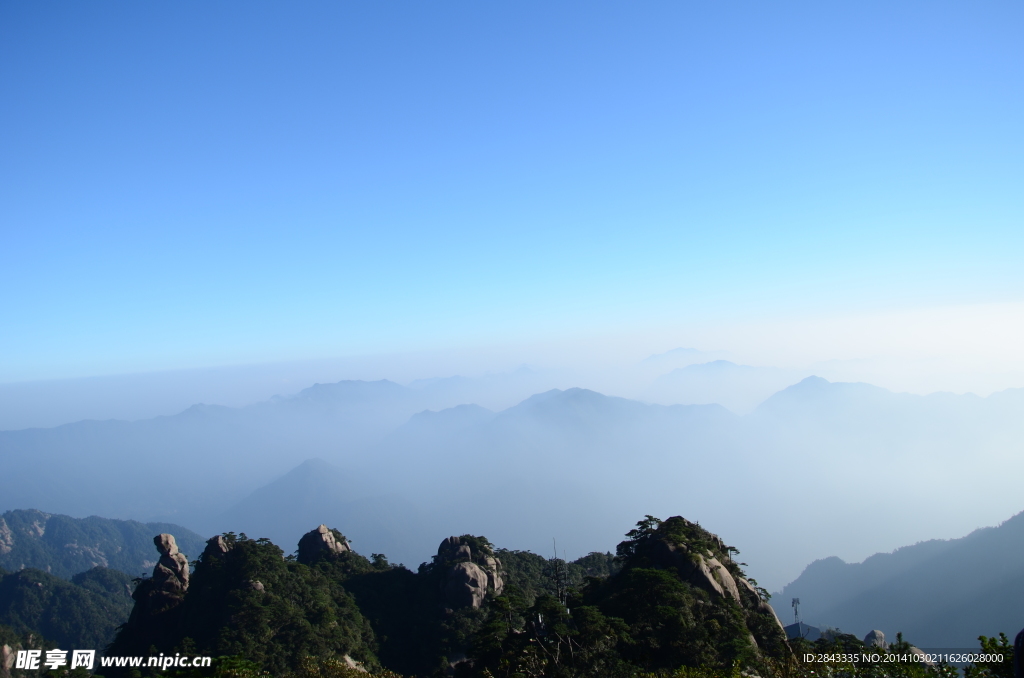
<point x="70" y="579"/>
<point x="941" y="593"/>
<point x="793" y="480"/>
<point x="64" y="546"/>
<point x="182" y="467"/>
<point x="315" y="492"/>
<point x="741" y="388"/>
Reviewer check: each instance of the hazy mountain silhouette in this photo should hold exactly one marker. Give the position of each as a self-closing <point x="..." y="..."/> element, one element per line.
<point x="315" y="492"/>
<point x="492" y="391"/>
<point x="740" y="388"/>
<point x="200" y="461"/>
<point x="941" y="593"/>
<point x="573" y="464"/>
<point x="883" y="423"/>
<point x="429" y="424"/>
<point x="548" y="466"/>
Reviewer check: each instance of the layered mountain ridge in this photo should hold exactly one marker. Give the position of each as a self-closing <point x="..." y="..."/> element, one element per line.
<point x="942" y="592"/>
<point x="573" y="464"/>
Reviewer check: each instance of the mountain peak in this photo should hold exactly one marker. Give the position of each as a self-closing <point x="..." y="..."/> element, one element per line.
<point x="351" y="389"/>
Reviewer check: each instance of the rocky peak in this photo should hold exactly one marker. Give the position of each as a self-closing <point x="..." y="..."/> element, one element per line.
<point x="699" y="557"/>
<point x="875" y="638"/>
<point x="323" y="540"/>
<point x="470" y="571"/>
<point x="701" y="568"/>
<point x="171" y="572"/>
<point x="166" y="589"/>
<point x="452" y="548"/>
<point x="216" y="547"/>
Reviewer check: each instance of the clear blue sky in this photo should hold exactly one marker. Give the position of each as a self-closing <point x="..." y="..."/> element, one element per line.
<point x="186" y="184"/>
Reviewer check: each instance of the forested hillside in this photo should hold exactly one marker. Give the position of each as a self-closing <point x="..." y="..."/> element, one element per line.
<point x="672" y="597"/>
<point x="64" y="546"/>
<point x="83" y="613"/>
<point x="942" y="593"/>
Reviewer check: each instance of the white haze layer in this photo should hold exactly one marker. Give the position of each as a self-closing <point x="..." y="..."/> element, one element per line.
<point x="959" y="349"/>
<point x="475" y="440"/>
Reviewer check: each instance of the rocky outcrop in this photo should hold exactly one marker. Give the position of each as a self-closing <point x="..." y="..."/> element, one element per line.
<point x="492" y="566"/>
<point x="215" y="547"/>
<point x="703" y="570"/>
<point x="702" y="560"/>
<point x="470" y="572"/>
<point x="452" y="548"/>
<point x="875" y="638"/>
<point x="172" y="569"/>
<point x="166" y="589"/>
<point x="6" y="661"/>
<point x="353" y="664"/>
<point x="752" y="600"/>
<point x="466" y="586"/>
<point x="241" y="587"/>
<point x="322" y="541"/>
<point x="6" y="538"/>
<point x="711" y="568"/>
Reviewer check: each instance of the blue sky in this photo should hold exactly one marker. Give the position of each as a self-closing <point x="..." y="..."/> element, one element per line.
<point x="191" y="184"/>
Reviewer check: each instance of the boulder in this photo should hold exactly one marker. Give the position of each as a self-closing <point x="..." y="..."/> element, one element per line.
<point x="452" y="548"/>
<point x="6" y="538"/>
<point x="875" y="638"/>
<point x="468" y="574"/>
<point x="215" y="547"/>
<point x="320" y="541"/>
<point x="171" y="571"/>
<point x="165" y="590"/>
<point x="6" y="661"/>
<point x="466" y="586"/>
<point x="493" y="568"/>
<point x="353" y="664"/>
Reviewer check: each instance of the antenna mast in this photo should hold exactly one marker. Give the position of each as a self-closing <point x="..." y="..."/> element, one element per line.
<point x="561" y="577"/>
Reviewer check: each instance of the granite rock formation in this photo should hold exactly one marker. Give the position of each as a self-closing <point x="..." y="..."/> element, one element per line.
<point x="701" y="559"/>
<point x="6" y="661"/>
<point x="875" y="638"/>
<point x="216" y="547"/>
<point x="165" y="590"/>
<point x="172" y="568"/>
<point x="323" y="540"/>
<point x="470" y="570"/>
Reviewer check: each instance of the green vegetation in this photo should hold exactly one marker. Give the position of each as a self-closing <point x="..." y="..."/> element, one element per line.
<point x="416" y="634"/>
<point x="81" y="614"/>
<point x="993" y="669"/>
<point x="254" y="603"/>
<point x="672" y="603"/>
<point x="64" y="546"/>
<point x="648" y="616"/>
<point x="532" y="575"/>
